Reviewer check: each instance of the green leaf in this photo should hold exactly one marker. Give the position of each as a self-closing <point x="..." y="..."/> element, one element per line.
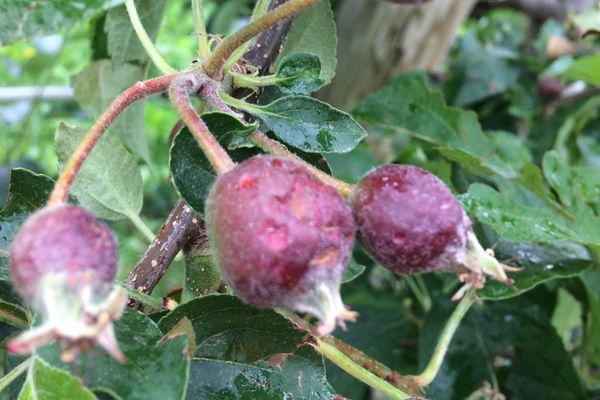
<point x="299" y="74"/>
<point x="45" y="382"/>
<point x="314" y="32"/>
<point x="407" y="106"/>
<point x="353" y="271"/>
<point x="482" y="69"/>
<point x="109" y="182"/>
<point x="230" y="131"/>
<point x="153" y="370"/>
<point x="123" y="43"/>
<point x="514" y="220"/>
<point x="22" y="19"/>
<point x="585" y="68"/>
<point x="28" y="191"/>
<point x="510" y="342"/>
<point x="12" y="314"/>
<point x="541" y="263"/>
<point x="244" y="352"/>
<point x="298" y="375"/>
<point x="191" y="171"/>
<point x="310" y="125"/>
<point x="97" y="85"/>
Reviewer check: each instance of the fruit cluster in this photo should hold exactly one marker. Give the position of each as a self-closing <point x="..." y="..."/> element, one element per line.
<point x="281" y="238"/>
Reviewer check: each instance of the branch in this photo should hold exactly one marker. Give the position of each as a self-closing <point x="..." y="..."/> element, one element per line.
<point x="179" y="92"/>
<point x="138" y="91"/>
<point x="217" y="60"/>
<point x="181" y="226"/>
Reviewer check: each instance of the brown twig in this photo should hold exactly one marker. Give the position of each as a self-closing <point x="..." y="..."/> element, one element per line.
<point x="180" y="227"/>
<point x="172" y="238"/>
<point x="217" y="60"/>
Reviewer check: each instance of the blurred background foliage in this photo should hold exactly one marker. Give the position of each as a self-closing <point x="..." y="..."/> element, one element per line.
<point x="519" y="75"/>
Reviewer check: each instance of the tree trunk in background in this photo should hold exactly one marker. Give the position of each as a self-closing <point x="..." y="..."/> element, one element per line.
<point x="378" y="40"/>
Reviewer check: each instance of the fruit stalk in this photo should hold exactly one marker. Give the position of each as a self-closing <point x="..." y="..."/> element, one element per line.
<point x="430" y="372"/>
<point x="214" y="64"/>
<point x="360" y="373"/>
<point x="138" y="91"/>
<point x="180" y="90"/>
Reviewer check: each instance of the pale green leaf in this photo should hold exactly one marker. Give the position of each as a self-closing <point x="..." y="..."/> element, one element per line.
<point x="314" y="32"/>
<point x="110" y="182"/>
<point x="98" y="84"/>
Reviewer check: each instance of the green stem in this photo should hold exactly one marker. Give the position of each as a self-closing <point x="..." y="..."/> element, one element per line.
<point x="14" y="374"/>
<point x="249" y="81"/>
<point x="143" y="298"/>
<point x="156" y="58"/>
<point x="341" y="360"/>
<point x="430" y="372"/>
<point x="142" y="227"/>
<point x="200" y="29"/>
<point x="214" y="64"/>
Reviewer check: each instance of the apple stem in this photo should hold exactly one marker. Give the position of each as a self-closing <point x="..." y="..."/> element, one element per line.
<point x="180" y="90"/>
<point x="344" y="362"/>
<point x="136" y="92"/>
<point x="214" y="64"/>
<point x="435" y="363"/>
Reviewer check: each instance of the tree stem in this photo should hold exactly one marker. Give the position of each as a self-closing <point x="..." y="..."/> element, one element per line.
<point x="341" y="360"/>
<point x="14" y="374"/>
<point x="179" y="92"/>
<point x="430" y="372"/>
<point x="214" y="65"/>
<point x="147" y="43"/>
<point x="138" y="91"/>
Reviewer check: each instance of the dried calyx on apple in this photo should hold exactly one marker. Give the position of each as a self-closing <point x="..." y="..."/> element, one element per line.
<point x="410" y="222"/>
<point x="63" y="262"/>
<point x="282" y="238"/>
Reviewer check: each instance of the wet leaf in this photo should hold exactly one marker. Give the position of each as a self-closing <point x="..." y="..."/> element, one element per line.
<point x="245" y="352"/>
<point x="299" y="74"/>
<point x="310" y="125"/>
